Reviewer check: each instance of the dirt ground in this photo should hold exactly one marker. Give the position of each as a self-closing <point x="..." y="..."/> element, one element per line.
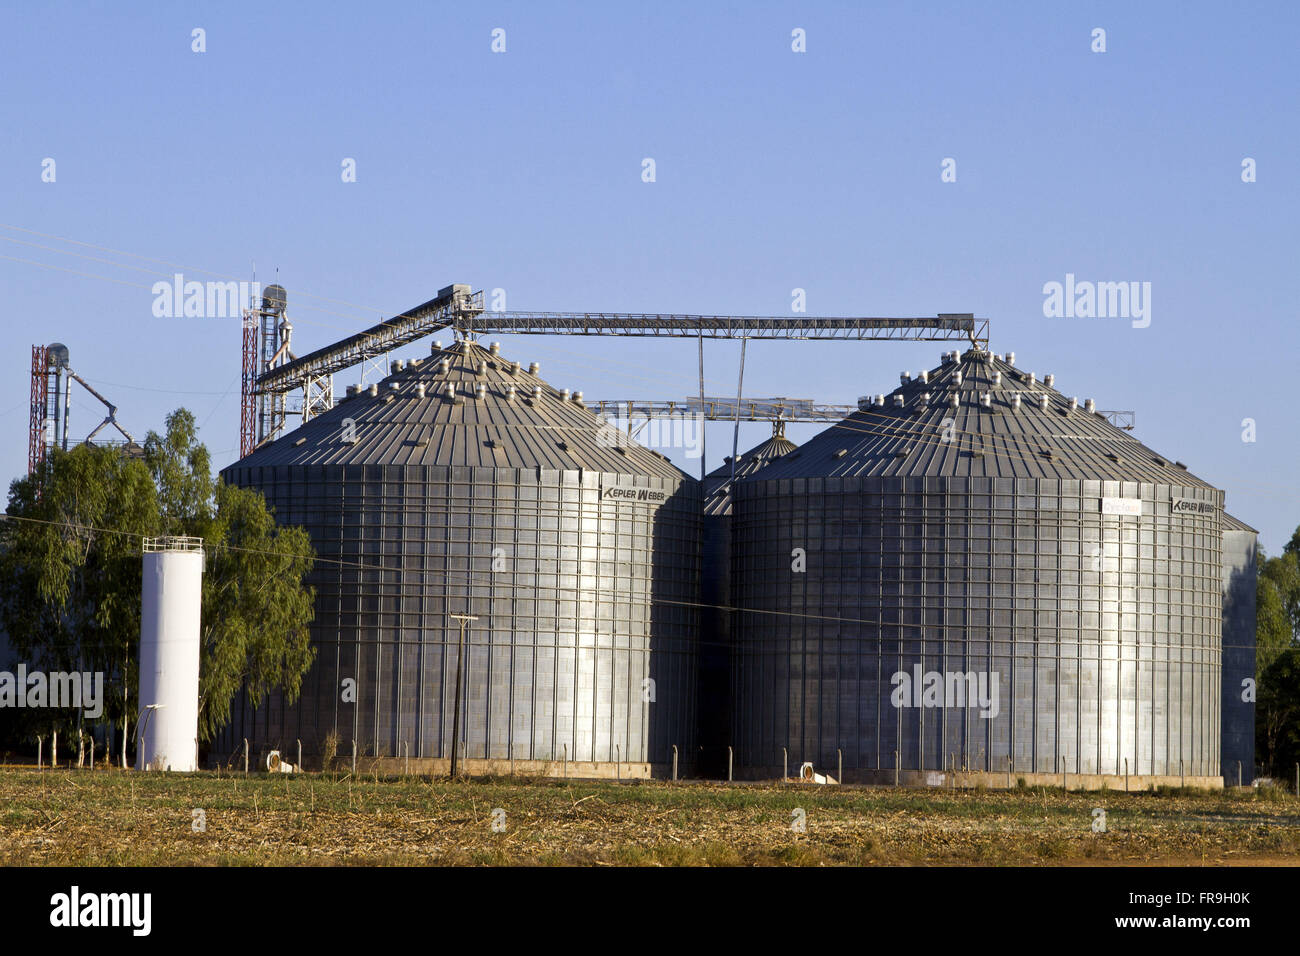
<point x="125" y="818"/>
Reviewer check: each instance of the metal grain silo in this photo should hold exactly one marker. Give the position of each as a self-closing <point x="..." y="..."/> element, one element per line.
<point x="977" y="572"/>
<point x="715" y="704"/>
<point x="464" y="484"/>
<point x="1240" y="571"/>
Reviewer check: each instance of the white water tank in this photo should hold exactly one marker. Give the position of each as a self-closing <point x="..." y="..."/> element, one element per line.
<point x="168" y="705"/>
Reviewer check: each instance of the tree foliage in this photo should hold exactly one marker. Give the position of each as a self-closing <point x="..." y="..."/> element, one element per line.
<point x="70" y="570"/>
<point x="1277" y="659"/>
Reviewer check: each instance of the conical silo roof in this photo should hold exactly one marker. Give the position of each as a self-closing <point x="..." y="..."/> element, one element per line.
<point x="717" y="483"/>
<point x="464" y="406"/>
<point x="962" y="419"/>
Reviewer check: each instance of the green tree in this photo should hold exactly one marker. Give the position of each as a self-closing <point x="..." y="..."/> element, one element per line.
<point x="1277" y="659"/>
<point x="70" y="571"/>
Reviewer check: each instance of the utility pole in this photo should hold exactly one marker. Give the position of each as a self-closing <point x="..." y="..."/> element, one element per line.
<point x="464" y="620"/>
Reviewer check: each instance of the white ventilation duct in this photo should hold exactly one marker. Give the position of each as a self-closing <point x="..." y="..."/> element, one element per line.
<point x="926" y="398"/>
<point x="1089" y="406"/>
<point x="956" y="376"/>
<point x="537" y="391"/>
<point x="435" y="348"/>
<point x="880" y="401"/>
<point x="1011" y="358"/>
<point x="1015" y="401"/>
<point x="444" y="365"/>
<point x="374" y="389"/>
<point x="955" y="399"/>
<point x="534" y="368"/>
<point x="514" y="368"/>
<point x="495" y="348"/>
<point x="577" y="397"/>
<point x="450" y="390"/>
<point x="997" y="378"/>
<point x="925" y="377"/>
<point x="1033" y="377"/>
<point x="1049" y="380"/>
<point x="419" y="389"/>
<point x="986" y="400"/>
<point x="170" y="627"/>
<point x="480" y="390"/>
<point x="898" y="401"/>
<point x="510" y="393"/>
<point x="1074" y="403"/>
<point x="904" y="378"/>
<point x="1043" y="399"/>
<point x="564" y="394"/>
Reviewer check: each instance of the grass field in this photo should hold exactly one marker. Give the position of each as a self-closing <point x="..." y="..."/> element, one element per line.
<point x="125" y="818"/>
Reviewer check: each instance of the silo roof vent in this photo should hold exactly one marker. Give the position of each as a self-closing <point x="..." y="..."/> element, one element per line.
<point x="495" y="348"/>
<point x="374" y="389"/>
<point x="534" y="368"/>
<point x="1089" y="405"/>
<point x="1049" y="380"/>
<point x="925" y="376"/>
<point x="1011" y="358"/>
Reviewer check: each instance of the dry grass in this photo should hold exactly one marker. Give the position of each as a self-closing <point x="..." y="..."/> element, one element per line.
<point x="122" y="818"/>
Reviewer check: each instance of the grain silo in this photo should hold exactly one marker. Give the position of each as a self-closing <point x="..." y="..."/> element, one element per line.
<point x="715" y="704"/>
<point x="1240" y="571"/>
<point x="978" y="572"/>
<point x="464" y="484"/>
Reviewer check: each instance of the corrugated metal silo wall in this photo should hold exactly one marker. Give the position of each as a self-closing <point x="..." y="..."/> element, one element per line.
<point x="1239" y="577"/>
<point x="715" y="647"/>
<point x="1102" y="633"/>
<point x="581" y="597"/>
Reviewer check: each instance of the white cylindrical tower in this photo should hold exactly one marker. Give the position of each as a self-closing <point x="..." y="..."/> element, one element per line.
<point x="168" y="715"/>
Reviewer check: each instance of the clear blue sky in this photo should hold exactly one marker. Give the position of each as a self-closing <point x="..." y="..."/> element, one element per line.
<point x="775" y="170"/>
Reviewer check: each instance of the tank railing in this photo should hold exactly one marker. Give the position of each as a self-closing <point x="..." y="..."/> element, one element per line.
<point x="173" y="542"/>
